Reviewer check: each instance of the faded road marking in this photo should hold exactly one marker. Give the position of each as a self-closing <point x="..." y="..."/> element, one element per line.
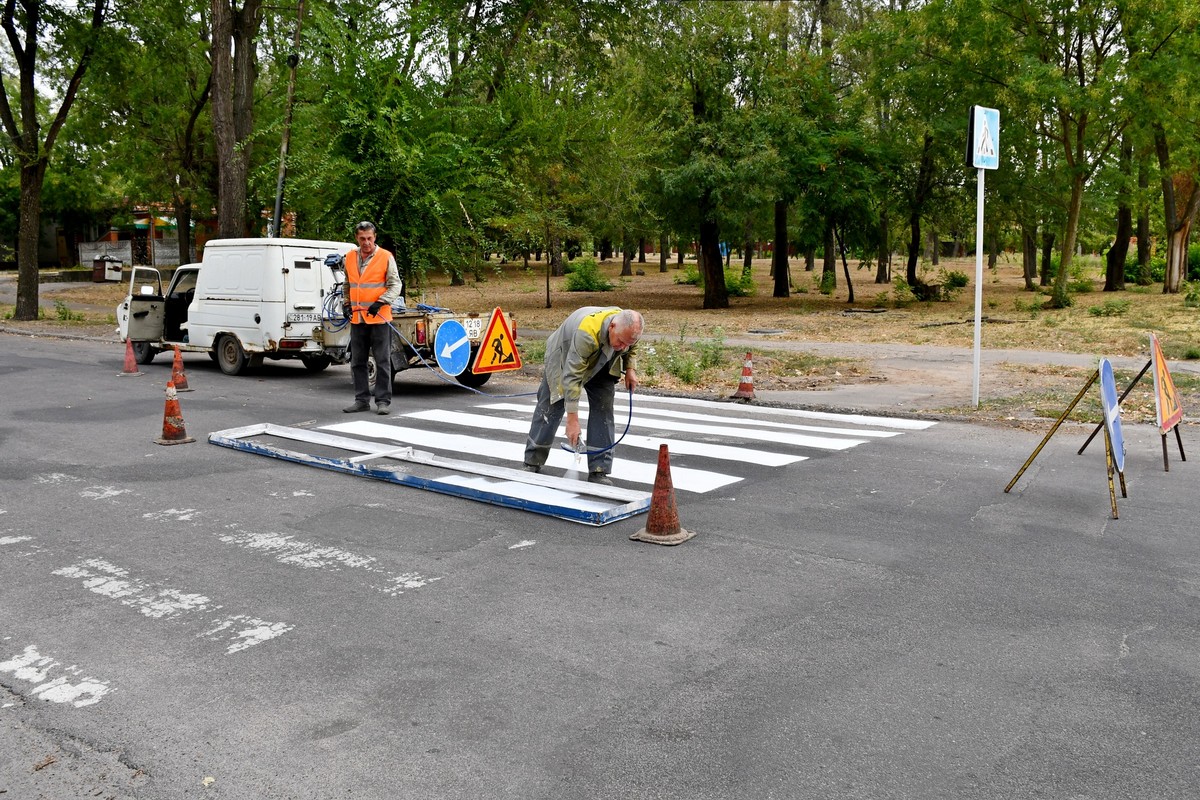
<point x="31" y="666"/>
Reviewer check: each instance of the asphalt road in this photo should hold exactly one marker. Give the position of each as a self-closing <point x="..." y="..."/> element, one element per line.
<point x="876" y="622"/>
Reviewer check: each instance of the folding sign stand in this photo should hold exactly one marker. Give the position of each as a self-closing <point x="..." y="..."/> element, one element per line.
<point x="1167" y="406"/>
<point x="1114" y="460"/>
<point x="577" y="501"/>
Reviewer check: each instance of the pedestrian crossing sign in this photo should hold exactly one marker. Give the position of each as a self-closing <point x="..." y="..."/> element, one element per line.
<point x="983" y="138"/>
<point x="497" y="350"/>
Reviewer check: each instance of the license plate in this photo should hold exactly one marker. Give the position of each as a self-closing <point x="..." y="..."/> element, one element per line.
<point x="473" y="326"/>
<point x="303" y="316"/>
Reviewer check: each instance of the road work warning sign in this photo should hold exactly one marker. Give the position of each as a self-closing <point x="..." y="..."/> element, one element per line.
<point x="1167" y="406"/>
<point x="497" y="350"/>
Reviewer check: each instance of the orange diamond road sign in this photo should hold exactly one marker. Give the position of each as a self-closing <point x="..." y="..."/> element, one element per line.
<point x="497" y="351"/>
<point x="1167" y="405"/>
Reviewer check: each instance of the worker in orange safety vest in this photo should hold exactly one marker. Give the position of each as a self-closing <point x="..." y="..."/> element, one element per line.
<point x="372" y="285"/>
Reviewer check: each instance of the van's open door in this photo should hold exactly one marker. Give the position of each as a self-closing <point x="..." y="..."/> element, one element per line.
<point x="141" y="315"/>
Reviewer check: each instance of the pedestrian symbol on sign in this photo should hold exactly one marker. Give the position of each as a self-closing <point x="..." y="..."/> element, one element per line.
<point x="983" y="138"/>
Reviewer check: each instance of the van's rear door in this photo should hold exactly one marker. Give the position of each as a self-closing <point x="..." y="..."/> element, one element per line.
<point x="141" y="315"/>
<point x="303" y="295"/>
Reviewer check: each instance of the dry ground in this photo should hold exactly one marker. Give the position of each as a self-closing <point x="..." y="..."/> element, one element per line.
<point x="1099" y="323"/>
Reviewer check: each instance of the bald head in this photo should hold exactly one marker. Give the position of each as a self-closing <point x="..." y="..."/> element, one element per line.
<point x="624" y="329"/>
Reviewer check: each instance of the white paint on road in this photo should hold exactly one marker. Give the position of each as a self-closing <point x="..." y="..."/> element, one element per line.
<point x="109" y="580"/>
<point x="14" y="539"/>
<point x="102" y="492"/>
<point x="521" y="544"/>
<point x="796" y="413"/>
<point x="173" y="514"/>
<point x="30" y="666"/>
<point x="244" y="632"/>
<point x="288" y="550"/>
<point x="54" y="478"/>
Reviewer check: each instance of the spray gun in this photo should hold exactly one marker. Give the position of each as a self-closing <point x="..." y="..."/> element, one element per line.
<point x="578" y="469"/>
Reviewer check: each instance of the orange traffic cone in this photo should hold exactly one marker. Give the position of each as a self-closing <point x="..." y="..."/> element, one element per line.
<point x="745" y="390"/>
<point x="662" y="525"/>
<point x="173" y="431"/>
<point x="130" y="367"/>
<point x="177" y="375"/>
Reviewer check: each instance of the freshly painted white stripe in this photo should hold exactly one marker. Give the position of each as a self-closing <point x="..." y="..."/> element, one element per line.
<point x="249" y="632"/>
<point x="622" y="414"/>
<point x="742" y="455"/>
<point x="775" y="437"/>
<point x="31" y="666"/>
<point x="849" y="419"/>
<point x="684" y="479"/>
<point x="14" y="539"/>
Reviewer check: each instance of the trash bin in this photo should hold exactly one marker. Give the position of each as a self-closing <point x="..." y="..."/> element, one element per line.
<point x="112" y="272"/>
<point x="98" y="265"/>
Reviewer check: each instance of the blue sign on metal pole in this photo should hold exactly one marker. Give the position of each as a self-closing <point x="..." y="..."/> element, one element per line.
<point x="983" y="138"/>
<point x="1112" y="414"/>
<point x="452" y="347"/>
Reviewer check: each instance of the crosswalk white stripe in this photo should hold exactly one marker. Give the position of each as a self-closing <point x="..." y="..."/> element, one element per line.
<point x="899" y="423"/>
<point x="775" y="437"/>
<point x="676" y="446"/>
<point x="622" y="414"/>
<point x="692" y="480"/>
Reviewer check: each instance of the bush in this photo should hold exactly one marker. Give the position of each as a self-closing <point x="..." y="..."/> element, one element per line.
<point x="586" y="277"/>
<point x="954" y="279"/>
<point x="1111" y="308"/>
<point x="689" y="277"/>
<point x="738" y="285"/>
<point x="902" y="293"/>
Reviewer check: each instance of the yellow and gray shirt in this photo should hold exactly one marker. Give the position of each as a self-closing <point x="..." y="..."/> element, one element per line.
<point x="579" y="350"/>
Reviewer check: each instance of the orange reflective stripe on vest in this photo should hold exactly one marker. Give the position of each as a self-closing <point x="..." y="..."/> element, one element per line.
<point x="367" y="286"/>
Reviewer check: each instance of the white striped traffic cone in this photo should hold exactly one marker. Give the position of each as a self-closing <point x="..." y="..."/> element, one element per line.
<point x="745" y="390"/>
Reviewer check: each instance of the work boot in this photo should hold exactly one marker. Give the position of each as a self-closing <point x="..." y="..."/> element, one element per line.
<point x="532" y="468"/>
<point x="354" y="409"/>
<point x="600" y="478"/>
<point x="383" y="409"/>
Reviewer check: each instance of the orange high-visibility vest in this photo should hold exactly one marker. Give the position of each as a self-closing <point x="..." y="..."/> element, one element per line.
<point x="367" y="286"/>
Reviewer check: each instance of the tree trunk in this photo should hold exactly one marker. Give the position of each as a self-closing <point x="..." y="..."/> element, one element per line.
<point x="883" y="261"/>
<point x="829" y="265"/>
<point x="1114" y="259"/>
<point x="1059" y="297"/>
<point x="642" y="250"/>
<point x="810" y="259"/>
<point x="664" y="245"/>
<point x="28" y="236"/>
<point x="234" y="72"/>
<point x="626" y="256"/>
<point x="554" y="254"/>
<point x="1181" y="201"/>
<point x="845" y="267"/>
<point x="779" y="260"/>
<point x="716" y="295"/>
<point x="1047" y="253"/>
<point x="914" y="247"/>
<point x="183" y="226"/>
<point x="1144" y="278"/>
<point x="747" y="258"/>
<point x="1029" y="256"/>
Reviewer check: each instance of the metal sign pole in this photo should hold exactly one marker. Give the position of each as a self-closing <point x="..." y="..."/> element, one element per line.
<point x="978" y="286"/>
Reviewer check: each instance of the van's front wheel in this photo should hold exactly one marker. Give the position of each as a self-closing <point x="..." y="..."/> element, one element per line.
<point x="144" y="352"/>
<point x="231" y="358"/>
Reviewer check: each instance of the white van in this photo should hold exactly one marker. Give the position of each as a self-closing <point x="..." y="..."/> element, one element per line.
<point x="248" y="299"/>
